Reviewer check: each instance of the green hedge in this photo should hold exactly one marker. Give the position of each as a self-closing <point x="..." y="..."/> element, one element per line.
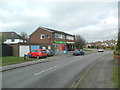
<point x="116" y="52"/>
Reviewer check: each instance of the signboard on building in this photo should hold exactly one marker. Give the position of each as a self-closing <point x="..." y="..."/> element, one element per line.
<point x="34" y="47"/>
<point x="70" y="42"/>
<point x="60" y="42"/>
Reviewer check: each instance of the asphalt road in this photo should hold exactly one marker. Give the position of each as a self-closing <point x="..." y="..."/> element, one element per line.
<point x="58" y="72"/>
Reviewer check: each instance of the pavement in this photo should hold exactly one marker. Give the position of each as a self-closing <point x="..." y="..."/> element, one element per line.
<point x="59" y="72"/>
<point x="100" y="75"/>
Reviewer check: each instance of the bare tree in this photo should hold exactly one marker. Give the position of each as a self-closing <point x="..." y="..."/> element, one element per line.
<point x="79" y="42"/>
<point x="2" y="38"/>
<point x="24" y="36"/>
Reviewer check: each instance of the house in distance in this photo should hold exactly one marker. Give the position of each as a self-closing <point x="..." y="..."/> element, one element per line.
<point x="11" y="38"/>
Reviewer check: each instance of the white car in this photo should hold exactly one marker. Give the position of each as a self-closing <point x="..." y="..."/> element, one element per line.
<point x="100" y="50"/>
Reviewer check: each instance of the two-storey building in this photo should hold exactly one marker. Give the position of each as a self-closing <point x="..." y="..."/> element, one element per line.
<point x="56" y="40"/>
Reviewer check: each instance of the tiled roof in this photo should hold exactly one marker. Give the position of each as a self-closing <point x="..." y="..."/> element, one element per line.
<point x="52" y="30"/>
<point x="56" y="31"/>
<point x="11" y="35"/>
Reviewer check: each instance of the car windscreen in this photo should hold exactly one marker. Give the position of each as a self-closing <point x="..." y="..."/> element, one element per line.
<point x="51" y="50"/>
<point x="43" y="51"/>
<point x="76" y="51"/>
<point x="34" y="51"/>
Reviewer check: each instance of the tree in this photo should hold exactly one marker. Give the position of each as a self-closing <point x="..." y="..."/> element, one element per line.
<point x="24" y="36"/>
<point x="117" y="51"/>
<point x="79" y="42"/>
<point x="118" y="42"/>
<point x="2" y="38"/>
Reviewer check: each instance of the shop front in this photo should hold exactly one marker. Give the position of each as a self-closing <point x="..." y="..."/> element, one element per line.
<point x="59" y="45"/>
<point x="70" y="46"/>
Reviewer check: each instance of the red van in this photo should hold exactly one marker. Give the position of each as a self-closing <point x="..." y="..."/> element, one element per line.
<point x="38" y="53"/>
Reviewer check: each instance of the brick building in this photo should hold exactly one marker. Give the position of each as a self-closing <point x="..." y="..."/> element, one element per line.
<point x="53" y="39"/>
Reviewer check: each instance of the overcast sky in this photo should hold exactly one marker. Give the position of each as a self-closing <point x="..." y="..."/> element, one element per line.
<point x="92" y="20"/>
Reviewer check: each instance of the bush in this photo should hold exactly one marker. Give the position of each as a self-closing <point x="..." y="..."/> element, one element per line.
<point x="112" y="47"/>
<point x="116" y="52"/>
<point x="92" y="47"/>
<point x="97" y="47"/>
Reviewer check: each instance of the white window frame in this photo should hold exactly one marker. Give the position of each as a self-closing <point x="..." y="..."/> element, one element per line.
<point x="70" y="37"/>
<point x="42" y="37"/>
<point x="56" y="34"/>
<point x="60" y="36"/>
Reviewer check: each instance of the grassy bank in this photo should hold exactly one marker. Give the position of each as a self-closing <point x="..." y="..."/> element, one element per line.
<point x="14" y="60"/>
<point x="115" y="78"/>
<point x="87" y="50"/>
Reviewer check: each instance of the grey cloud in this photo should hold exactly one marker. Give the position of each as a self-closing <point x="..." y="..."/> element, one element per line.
<point x="66" y="16"/>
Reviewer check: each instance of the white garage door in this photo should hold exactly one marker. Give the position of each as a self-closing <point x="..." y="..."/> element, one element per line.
<point x="23" y="50"/>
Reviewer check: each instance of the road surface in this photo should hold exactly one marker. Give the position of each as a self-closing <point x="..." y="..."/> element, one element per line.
<point x="58" y="72"/>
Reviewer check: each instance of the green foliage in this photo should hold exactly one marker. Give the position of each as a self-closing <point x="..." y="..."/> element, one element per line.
<point x="79" y="42"/>
<point x="78" y="45"/>
<point x="2" y="38"/>
<point x="104" y="48"/>
<point x="92" y="46"/>
<point x="87" y="50"/>
<point x="117" y="52"/>
<point x="97" y="47"/>
<point x="115" y="77"/>
<point x="112" y="47"/>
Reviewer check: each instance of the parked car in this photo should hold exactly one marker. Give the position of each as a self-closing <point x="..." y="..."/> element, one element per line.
<point x="38" y="53"/>
<point x="69" y="49"/>
<point x="78" y="52"/>
<point x="49" y="52"/>
<point x="100" y="50"/>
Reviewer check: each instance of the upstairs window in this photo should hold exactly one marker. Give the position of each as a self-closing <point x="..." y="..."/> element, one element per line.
<point x="56" y="35"/>
<point x="48" y="36"/>
<point x="60" y="36"/>
<point x="63" y="36"/>
<point x="42" y="36"/>
<point x="12" y="40"/>
<point x="70" y="38"/>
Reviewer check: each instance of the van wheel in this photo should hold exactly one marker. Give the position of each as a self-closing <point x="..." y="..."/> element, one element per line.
<point x="38" y="57"/>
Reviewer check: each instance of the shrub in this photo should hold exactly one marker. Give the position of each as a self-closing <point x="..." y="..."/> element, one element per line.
<point x="116" y="52"/>
<point x="112" y="47"/>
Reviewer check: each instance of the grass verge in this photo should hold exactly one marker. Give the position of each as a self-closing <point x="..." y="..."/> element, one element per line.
<point x="87" y="50"/>
<point x="8" y="60"/>
<point x="115" y="79"/>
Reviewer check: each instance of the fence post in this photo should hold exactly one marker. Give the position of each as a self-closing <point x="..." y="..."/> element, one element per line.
<point x="24" y="56"/>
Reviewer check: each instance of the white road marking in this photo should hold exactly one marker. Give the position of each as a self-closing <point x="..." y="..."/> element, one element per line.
<point x="47" y="69"/>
